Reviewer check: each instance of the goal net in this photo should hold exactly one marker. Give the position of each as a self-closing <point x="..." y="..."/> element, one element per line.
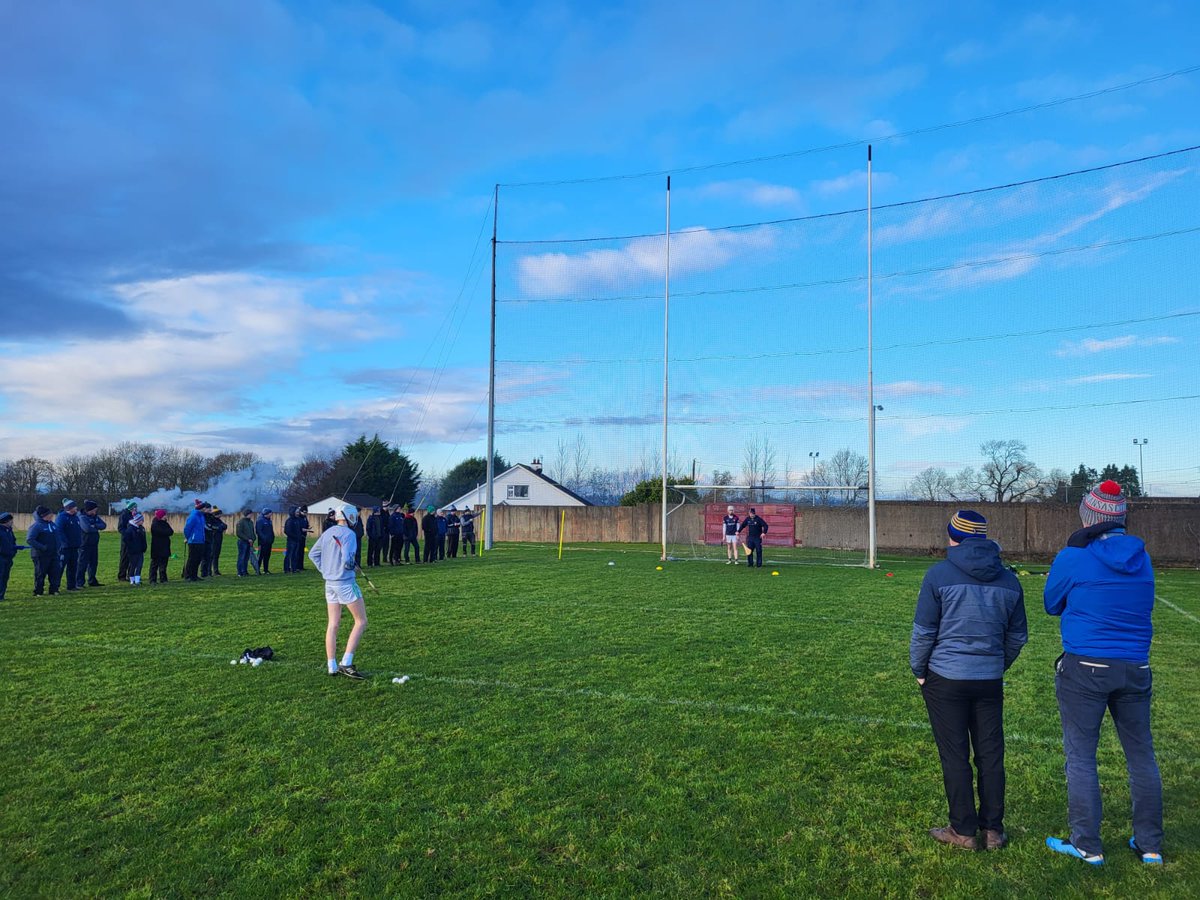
<point x="699" y="517"/>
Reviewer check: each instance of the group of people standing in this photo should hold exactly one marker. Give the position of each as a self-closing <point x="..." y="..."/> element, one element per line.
<point x="754" y="526"/>
<point x="969" y="628"/>
<point x="392" y="533"/>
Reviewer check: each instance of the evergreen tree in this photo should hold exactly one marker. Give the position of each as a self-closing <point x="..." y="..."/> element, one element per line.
<point x="468" y="474"/>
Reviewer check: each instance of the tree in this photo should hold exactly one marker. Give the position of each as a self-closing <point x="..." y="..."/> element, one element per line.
<point x="468" y="474"/>
<point x="1083" y="480"/>
<point x="650" y="490"/>
<point x="848" y="467"/>
<point x="311" y="479"/>
<point x="758" y="463"/>
<point x="1007" y="474"/>
<point x="933" y="483"/>
<point x="1126" y="477"/>
<point x="375" y="467"/>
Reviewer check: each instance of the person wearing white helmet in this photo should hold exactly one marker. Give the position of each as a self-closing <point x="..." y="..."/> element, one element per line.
<point x="333" y="555"/>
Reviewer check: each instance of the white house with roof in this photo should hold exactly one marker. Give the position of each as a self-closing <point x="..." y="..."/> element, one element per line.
<point x="521" y="485"/>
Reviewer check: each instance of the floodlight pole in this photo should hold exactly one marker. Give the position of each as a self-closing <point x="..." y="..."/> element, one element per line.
<point x="666" y="348"/>
<point x="871" y="548"/>
<point x="489" y="519"/>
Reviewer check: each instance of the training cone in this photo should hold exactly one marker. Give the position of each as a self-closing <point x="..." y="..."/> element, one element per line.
<point x="658" y="568"/>
<point x="889" y="575"/>
<point x="774" y="573"/>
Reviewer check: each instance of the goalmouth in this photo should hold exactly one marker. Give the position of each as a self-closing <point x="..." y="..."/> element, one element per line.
<point x="806" y="525"/>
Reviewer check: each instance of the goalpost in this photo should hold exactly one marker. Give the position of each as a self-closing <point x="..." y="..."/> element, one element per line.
<point x="806" y="524"/>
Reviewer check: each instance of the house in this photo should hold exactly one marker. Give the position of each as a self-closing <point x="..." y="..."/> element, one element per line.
<point x="521" y="485"/>
<point x="358" y="501"/>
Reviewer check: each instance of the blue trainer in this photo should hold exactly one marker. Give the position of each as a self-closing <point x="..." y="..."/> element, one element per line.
<point x="1150" y="859"/>
<point x="1058" y="845"/>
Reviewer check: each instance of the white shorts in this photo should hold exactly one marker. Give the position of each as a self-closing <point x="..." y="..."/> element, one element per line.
<point x="343" y="592"/>
<point x="731" y="538"/>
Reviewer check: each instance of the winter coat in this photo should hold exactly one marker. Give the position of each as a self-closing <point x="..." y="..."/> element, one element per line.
<point x="245" y="529"/>
<point x="70" y="534"/>
<point x="8" y="543"/>
<point x="468" y="524"/>
<point x="376" y="528"/>
<point x="123" y="520"/>
<point x="134" y="538"/>
<point x="1102" y="585"/>
<point x="293" y="527"/>
<point x="970" y="620"/>
<point x="452" y="523"/>
<point x="410" y="527"/>
<point x="429" y="526"/>
<point x="396" y="524"/>
<point x="755" y="527"/>
<point x="265" y="530"/>
<point x="160" y="538"/>
<point x="193" y="528"/>
<point x="442" y="526"/>
<point x="42" y="538"/>
<point x="91" y="525"/>
<point x="333" y="553"/>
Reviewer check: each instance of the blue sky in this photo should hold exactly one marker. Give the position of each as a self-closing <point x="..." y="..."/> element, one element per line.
<point x="257" y="225"/>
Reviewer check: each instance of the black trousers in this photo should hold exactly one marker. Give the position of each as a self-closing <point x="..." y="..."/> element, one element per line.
<point x="215" y="555"/>
<point x="158" y="569"/>
<point x="264" y="556"/>
<point x="395" y="542"/>
<point x="452" y="544"/>
<point x="468" y="541"/>
<point x="966" y="715"/>
<point x="191" y="566"/>
<point x="5" y="569"/>
<point x="441" y="546"/>
<point x="373" y="551"/>
<point x="123" y="564"/>
<point x="88" y="559"/>
<point x="754" y="545"/>
<point x="46" y="568"/>
<point x="70" y="565"/>
<point x="430" y="549"/>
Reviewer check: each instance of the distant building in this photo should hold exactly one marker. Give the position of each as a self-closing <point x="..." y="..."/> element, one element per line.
<point x="521" y="485"/>
<point x="358" y="501"/>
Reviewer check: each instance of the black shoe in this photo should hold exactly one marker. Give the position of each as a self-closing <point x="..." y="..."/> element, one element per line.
<point x="95" y="584"/>
<point x="351" y="672"/>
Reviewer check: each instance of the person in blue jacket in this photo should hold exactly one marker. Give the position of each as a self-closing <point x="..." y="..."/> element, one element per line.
<point x="91" y="523"/>
<point x="968" y="629"/>
<point x="70" y="539"/>
<point x="293" y="532"/>
<point x="264" y="530"/>
<point x="194" y="537"/>
<point x="377" y="536"/>
<point x="1101" y="586"/>
<point x="45" y="549"/>
<point x="8" y="549"/>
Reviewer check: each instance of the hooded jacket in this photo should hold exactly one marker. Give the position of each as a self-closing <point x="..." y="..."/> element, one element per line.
<point x="265" y="530"/>
<point x="8" y="542"/>
<point x="410" y="527"/>
<point x="43" y="540"/>
<point x="160" y="538"/>
<point x="193" y="527"/>
<point x="970" y="620"/>
<point x="376" y="527"/>
<point x="134" y="538"/>
<point x="245" y="529"/>
<point x="333" y="553"/>
<point x="91" y="525"/>
<point x="293" y="527"/>
<point x="1102" y="585"/>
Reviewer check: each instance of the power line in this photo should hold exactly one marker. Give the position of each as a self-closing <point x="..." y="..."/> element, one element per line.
<point x="862" y="142"/>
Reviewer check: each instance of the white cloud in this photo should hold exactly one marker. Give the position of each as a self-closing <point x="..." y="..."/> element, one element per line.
<point x="752" y="192"/>
<point x="1088" y="346"/>
<point x="636" y="262"/>
<point x="856" y="390"/>
<point x="1105" y="377"/>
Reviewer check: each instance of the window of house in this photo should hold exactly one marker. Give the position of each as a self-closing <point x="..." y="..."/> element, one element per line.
<point x="518" y="492"/>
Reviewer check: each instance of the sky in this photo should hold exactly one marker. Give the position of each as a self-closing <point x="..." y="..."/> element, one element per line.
<point x="264" y="225"/>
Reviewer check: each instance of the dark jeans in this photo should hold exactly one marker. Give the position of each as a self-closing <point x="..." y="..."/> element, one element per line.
<point x="5" y="569"/>
<point x="411" y="544"/>
<point x="70" y="566"/>
<point x="291" y="555"/>
<point x="754" y="545"/>
<point x="264" y="557"/>
<point x="46" y="568"/>
<point x="206" y="559"/>
<point x="373" y="551"/>
<point x="394" y="547"/>
<point x="191" y="567"/>
<point x="1086" y="686"/>
<point x="441" y="546"/>
<point x="966" y="714"/>
<point x="468" y="541"/>
<point x="158" y="568"/>
<point x="89" y="558"/>
<point x="245" y="557"/>
<point x="135" y="564"/>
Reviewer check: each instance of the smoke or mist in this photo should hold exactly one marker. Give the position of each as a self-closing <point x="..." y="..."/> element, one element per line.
<point x="255" y="486"/>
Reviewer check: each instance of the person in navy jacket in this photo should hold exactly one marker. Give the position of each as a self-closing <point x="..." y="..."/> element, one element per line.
<point x="293" y="533"/>
<point x="729" y="526"/>
<point x="968" y="628"/>
<point x="45" y="548"/>
<point x="410" y="531"/>
<point x="755" y="527"/>
<point x="1101" y="586"/>
<point x="376" y="536"/>
<point x="193" y="536"/>
<point x="264" y="530"/>
<point x="70" y="538"/>
<point x="134" y="538"/>
<point x="395" y="536"/>
<point x="8" y="549"/>
<point x="122" y="520"/>
<point x="91" y="524"/>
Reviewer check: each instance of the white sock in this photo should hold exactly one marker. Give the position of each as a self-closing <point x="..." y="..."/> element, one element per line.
<point x="332" y="666"/>
<point x="347" y="659"/>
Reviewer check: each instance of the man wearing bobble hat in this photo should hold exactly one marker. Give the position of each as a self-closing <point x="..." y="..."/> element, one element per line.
<point x="969" y="627"/>
<point x="1101" y="586"/>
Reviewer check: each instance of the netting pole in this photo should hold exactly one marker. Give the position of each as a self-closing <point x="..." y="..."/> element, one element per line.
<point x="666" y="347"/>
<point x="491" y="428"/>
<point x="870" y="386"/>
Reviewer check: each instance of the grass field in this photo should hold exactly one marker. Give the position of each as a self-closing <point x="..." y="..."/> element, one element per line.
<point x="571" y="729"/>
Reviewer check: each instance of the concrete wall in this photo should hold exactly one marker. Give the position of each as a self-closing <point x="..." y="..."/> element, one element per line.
<point x="1030" y="531"/>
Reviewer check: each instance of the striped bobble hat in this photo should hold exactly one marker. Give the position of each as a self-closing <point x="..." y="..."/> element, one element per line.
<point x="965" y="525"/>
<point x="1103" y="503"/>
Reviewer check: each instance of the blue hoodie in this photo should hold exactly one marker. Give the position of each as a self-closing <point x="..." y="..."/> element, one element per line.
<point x="193" y="527"/>
<point x="970" y="620"/>
<point x="70" y="534"/>
<point x="91" y="525"/>
<point x="1104" y="592"/>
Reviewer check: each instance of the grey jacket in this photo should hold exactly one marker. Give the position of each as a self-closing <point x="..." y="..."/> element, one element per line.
<point x="970" y="618"/>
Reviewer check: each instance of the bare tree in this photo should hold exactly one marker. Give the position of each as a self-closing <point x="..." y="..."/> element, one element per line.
<point x="580" y="460"/>
<point x="816" y="477"/>
<point x="932" y="483"/>
<point x="849" y="468"/>
<point x="1007" y="473"/>
<point x="758" y="463"/>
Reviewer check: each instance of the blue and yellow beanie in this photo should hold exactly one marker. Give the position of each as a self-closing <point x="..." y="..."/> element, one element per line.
<point x="965" y="525"/>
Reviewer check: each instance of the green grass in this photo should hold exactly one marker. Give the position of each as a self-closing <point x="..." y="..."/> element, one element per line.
<point x="572" y="729"/>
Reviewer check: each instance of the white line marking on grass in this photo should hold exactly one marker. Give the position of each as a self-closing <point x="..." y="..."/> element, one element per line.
<point x="1182" y="612"/>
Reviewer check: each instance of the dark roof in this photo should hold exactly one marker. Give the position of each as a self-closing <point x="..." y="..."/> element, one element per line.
<point x="549" y="480"/>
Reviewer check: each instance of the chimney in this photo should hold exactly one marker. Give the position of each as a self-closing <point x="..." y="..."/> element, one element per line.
<point x="537" y="466"/>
